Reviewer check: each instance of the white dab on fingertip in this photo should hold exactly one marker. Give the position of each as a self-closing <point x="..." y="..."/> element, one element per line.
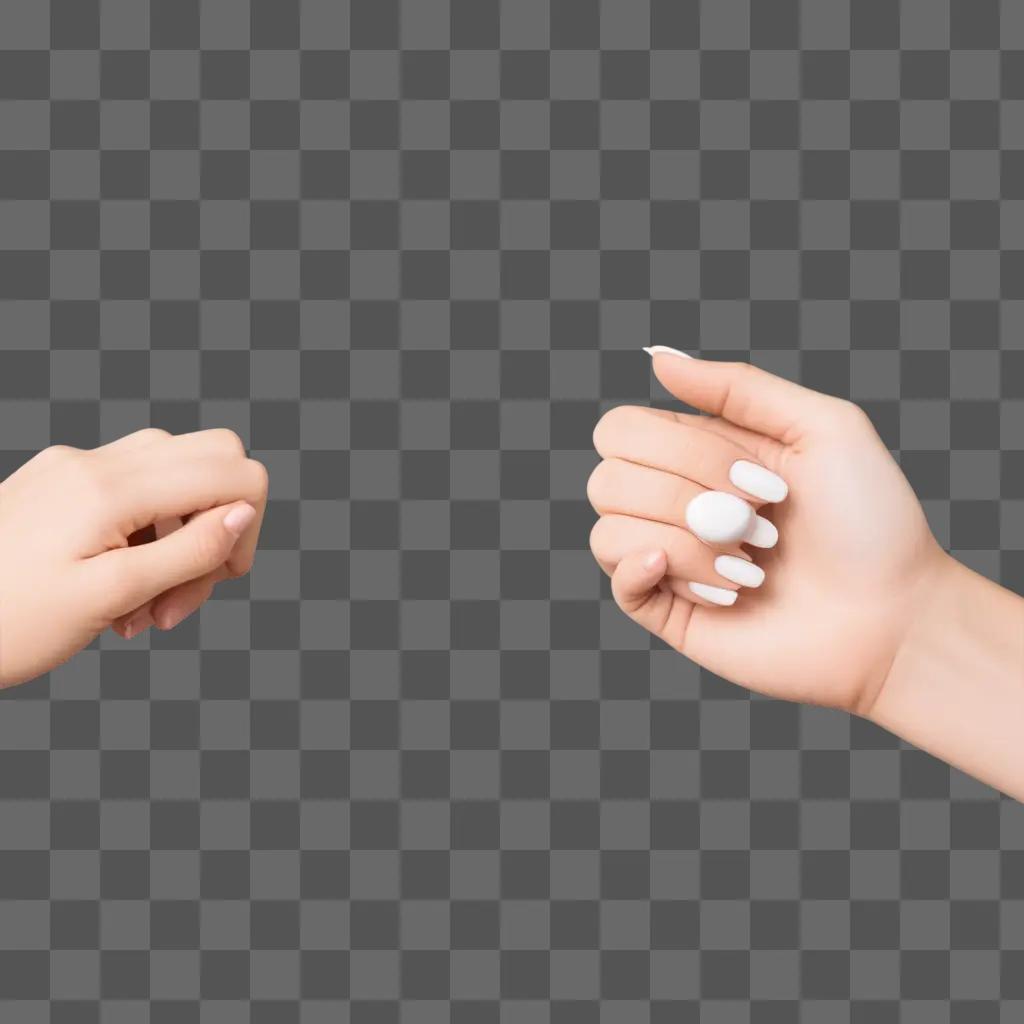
<point x="716" y="595"/>
<point x="762" y="534"/>
<point x="654" y="350"/>
<point x="756" y="480"/>
<point x="719" y="517"/>
<point x="739" y="570"/>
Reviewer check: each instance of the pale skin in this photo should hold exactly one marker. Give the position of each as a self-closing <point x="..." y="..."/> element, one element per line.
<point x="860" y="608"/>
<point x="130" y="535"/>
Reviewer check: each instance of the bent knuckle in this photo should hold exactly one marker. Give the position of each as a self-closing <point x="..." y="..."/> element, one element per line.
<point x="150" y="435"/>
<point x="55" y="453"/>
<point x="849" y="414"/>
<point x="206" y="548"/>
<point x="58" y="451"/>
<point x="226" y="440"/>
<point x="612" y="424"/>
<point x="596" y="484"/>
<point x="600" y="546"/>
<point x="677" y="494"/>
<point x="114" y="584"/>
<point x="746" y="376"/>
<point x="260" y="475"/>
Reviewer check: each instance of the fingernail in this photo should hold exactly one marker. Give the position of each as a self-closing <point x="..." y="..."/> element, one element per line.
<point x="135" y="625"/>
<point x="175" y="616"/>
<point x="739" y="570"/>
<point x="716" y="595"/>
<point x="719" y="517"/>
<point x="763" y="533"/>
<point x="653" y="350"/>
<point x="652" y="559"/>
<point x="238" y="519"/>
<point x="756" y="480"/>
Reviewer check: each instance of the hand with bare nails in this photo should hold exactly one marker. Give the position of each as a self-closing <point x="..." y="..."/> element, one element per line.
<point x="129" y="535"/>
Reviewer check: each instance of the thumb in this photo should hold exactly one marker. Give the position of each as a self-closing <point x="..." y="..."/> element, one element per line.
<point x="134" y="575"/>
<point x="742" y="393"/>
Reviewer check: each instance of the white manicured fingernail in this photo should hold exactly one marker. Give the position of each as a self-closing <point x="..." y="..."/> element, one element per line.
<point x="739" y="570"/>
<point x="719" y="517"/>
<point x="654" y="350"/>
<point x="716" y="595"/>
<point x="762" y="534"/>
<point x="756" y="480"/>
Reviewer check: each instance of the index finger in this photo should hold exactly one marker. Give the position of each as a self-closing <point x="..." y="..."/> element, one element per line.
<point x="227" y="442"/>
<point x="649" y="438"/>
<point x="160" y="482"/>
<point x="739" y="392"/>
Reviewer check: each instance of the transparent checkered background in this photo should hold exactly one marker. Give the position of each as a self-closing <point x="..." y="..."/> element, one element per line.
<point x="416" y="767"/>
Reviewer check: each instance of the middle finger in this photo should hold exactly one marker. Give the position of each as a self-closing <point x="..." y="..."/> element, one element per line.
<point x="627" y="488"/>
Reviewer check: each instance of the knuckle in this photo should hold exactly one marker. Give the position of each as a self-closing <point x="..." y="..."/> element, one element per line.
<point x="678" y="494"/>
<point x="56" y="453"/>
<point x="611" y="423"/>
<point x="116" y="584"/>
<point x="207" y="548"/>
<point x="151" y="434"/>
<point x="599" y="538"/>
<point x="261" y="477"/>
<point x="744" y="370"/>
<point x="605" y="482"/>
<point x="595" y="484"/>
<point x="599" y="433"/>
<point x="227" y="440"/>
<point x="850" y="413"/>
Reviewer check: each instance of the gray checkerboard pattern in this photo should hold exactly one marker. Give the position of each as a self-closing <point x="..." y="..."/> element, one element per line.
<point x="416" y="767"/>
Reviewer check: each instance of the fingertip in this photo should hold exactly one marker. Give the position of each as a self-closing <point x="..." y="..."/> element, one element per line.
<point x="169" y="617"/>
<point x="135" y="624"/>
<point x="654" y="350"/>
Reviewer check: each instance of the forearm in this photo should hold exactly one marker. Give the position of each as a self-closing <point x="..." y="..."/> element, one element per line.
<point x="956" y="687"/>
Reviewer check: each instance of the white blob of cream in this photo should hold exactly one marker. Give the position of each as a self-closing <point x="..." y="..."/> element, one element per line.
<point x="719" y="517"/>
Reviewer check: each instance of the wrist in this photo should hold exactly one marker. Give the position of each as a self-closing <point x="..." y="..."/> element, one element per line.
<point x="955" y="687"/>
<point x="918" y="639"/>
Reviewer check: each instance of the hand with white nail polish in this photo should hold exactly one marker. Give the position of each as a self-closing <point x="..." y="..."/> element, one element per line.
<point x="125" y="536"/>
<point x="850" y="602"/>
<point x="793" y="550"/>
